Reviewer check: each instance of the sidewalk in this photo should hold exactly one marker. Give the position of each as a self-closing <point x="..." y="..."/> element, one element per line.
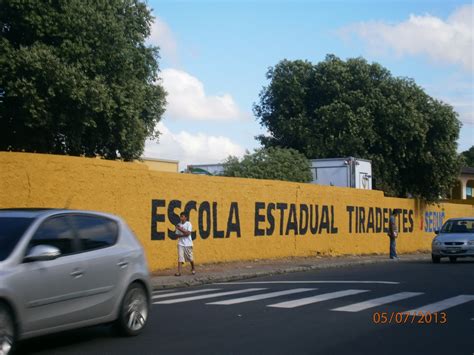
<point x="240" y="270"/>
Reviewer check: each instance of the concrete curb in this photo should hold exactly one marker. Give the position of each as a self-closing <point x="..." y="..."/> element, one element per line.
<point x="160" y="283"/>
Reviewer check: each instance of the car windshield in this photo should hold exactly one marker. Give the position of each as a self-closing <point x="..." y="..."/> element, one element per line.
<point x="11" y="230"/>
<point x="458" y="226"/>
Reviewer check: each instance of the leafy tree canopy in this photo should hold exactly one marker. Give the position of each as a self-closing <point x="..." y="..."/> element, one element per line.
<point x="468" y="157"/>
<point x="77" y="77"/>
<point x="271" y="163"/>
<point x="339" y="108"/>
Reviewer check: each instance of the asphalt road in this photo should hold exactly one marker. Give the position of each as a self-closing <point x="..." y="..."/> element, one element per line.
<point x="294" y="314"/>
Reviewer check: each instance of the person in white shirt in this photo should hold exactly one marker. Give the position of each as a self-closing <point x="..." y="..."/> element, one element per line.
<point x="185" y="243"/>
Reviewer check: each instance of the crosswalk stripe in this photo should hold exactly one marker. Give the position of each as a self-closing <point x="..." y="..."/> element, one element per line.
<point x="315" y="299"/>
<point x="442" y="305"/>
<point x="308" y="282"/>
<point x="201" y="297"/>
<point x="356" y="307"/>
<point x="184" y="293"/>
<point x="262" y="296"/>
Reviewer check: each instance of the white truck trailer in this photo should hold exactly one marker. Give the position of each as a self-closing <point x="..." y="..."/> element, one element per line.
<point x="345" y="172"/>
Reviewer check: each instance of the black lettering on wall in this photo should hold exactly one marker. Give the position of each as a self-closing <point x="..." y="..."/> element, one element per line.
<point x="270" y="218"/>
<point x="410" y="218"/>
<point x="370" y="220"/>
<point x="361" y="219"/>
<point x="292" y="222"/>
<point x="173" y="217"/>
<point x="324" y="224"/>
<point x="259" y="218"/>
<point x="357" y="219"/>
<point x="350" y="210"/>
<point x="405" y="221"/>
<point x="282" y="207"/>
<point x="233" y="226"/>
<point x="191" y="205"/>
<point x="378" y="220"/>
<point x="385" y="220"/>
<point x="333" y="227"/>
<point x="313" y="219"/>
<point x="303" y="219"/>
<point x="157" y="218"/>
<point x="216" y="232"/>
<point x="204" y="225"/>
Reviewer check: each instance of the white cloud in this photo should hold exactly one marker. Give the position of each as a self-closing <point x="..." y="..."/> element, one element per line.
<point x="447" y="41"/>
<point x="162" y="36"/>
<point x="187" y="99"/>
<point x="191" y="148"/>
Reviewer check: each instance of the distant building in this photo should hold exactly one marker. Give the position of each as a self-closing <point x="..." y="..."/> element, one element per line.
<point x="170" y="166"/>
<point x="206" y="169"/>
<point x="465" y="185"/>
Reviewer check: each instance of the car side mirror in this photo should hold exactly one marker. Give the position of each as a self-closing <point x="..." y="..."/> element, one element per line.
<point x="436" y="231"/>
<point x="42" y="253"/>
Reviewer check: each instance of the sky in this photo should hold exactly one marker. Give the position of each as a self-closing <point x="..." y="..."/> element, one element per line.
<point x="215" y="55"/>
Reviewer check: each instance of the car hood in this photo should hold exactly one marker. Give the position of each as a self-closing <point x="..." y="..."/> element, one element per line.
<point x="453" y="237"/>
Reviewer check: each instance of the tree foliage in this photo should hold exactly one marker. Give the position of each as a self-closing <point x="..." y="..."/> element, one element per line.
<point x="78" y="77"/>
<point x="271" y="163"/>
<point x="468" y="157"/>
<point x="339" y="108"/>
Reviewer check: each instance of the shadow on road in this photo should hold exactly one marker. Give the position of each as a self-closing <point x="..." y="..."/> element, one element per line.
<point x="443" y="261"/>
<point x="55" y="342"/>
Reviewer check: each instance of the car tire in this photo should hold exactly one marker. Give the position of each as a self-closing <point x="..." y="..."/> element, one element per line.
<point x="436" y="259"/>
<point x="134" y="310"/>
<point x="453" y="259"/>
<point x="7" y="330"/>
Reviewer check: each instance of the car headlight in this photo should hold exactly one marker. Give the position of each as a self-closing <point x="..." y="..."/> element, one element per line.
<point x="436" y="243"/>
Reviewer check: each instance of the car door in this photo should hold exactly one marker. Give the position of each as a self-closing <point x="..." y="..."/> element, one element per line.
<point x="50" y="291"/>
<point x="105" y="262"/>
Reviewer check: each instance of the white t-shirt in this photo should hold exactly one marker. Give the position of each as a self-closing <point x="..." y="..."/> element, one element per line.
<point x="185" y="241"/>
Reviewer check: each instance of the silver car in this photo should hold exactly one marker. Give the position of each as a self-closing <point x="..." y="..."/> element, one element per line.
<point x="64" y="269"/>
<point x="454" y="240"/>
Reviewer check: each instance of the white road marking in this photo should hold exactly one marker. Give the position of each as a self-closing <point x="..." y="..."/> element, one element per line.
<point x="356" y="307"/>
<point x="308" y="282"/>
<point x="184" y="293"/>
<point x="262" y="296"/>
<point x="201" y="297"/>
<point x="317" y="298"/>
<point x="442" y="305"/>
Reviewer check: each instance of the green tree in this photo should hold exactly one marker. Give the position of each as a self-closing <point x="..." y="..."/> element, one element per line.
<point x="468" y="157"/>
<point x="77" y="77"/>
<point x="339" y="108"/>
<point x="272" y="164"/>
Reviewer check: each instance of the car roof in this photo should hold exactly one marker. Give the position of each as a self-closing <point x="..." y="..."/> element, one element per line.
<point x="37" y="212"/>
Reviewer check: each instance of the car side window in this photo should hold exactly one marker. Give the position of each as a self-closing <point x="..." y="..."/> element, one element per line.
<point x="95" y="232"/>
<point x="56" y="232"/>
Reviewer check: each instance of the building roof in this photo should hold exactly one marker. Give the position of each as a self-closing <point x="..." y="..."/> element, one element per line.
<point x="159" y="160"/>
<point x="467" y="170"/>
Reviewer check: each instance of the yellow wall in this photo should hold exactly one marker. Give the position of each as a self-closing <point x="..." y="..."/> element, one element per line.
<point x="162" y="165"/>
<point x="136" y="193"/>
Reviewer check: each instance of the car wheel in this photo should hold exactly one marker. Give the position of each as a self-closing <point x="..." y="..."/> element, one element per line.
<point x="453" y="259"/>
<point x="436" y="259"/>
<point x="7" y="331"/>
<point x="134" y="311"/>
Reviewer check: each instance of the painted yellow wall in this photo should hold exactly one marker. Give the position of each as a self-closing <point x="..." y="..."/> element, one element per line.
<point x="162" y="165"/>
<point x="137" y="194"/>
